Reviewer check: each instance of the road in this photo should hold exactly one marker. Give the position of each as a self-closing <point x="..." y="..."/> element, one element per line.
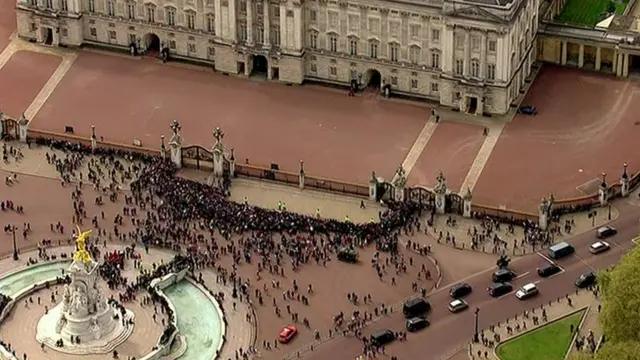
<point x="448" y="331"/>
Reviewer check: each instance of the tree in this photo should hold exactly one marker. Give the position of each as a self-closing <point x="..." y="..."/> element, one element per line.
<point x="611" y="7"/>
<point x="628" y="350"/>
<point x="620" y="317"/>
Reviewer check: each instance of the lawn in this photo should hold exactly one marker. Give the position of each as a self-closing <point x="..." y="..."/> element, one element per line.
<point x="549" y="342"/>
<point x="587" y="12"/>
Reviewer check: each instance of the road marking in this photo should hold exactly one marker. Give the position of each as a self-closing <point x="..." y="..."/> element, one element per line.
<point x="418" y="146"/>
<point x="523" y="275"/>
<point x="636" y="240"/>
<point x="551" y="262"/>
<point x="538" y="281"/>
<point x="482" y="157"/>
<point x="616" y="244"/>
<point x="507" y="294"/>
<point x="546" y="258"/>
<point x="584" y="262"/>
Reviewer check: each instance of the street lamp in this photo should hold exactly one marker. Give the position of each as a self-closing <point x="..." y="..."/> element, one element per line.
<point x="15" y="247"/>
<point x="476" y="337"/>
<point x="609" y="217"/>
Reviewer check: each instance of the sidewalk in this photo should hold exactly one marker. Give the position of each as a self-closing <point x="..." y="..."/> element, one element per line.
<point x="583" y="299"/>
<point x="513" y="241"/>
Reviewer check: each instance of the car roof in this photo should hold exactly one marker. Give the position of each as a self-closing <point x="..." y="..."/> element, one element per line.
<point x="502" y="271"/>
<point x="460" y="286"/>
<point x="529" y="286"/>
<point x="499" y="284"/>
<point x="598" y="244"/>
<point x="381" y="332"/>
<point x="415" y="301"/>
<point x="457" y="302"/>
<point x="548" y="265"/>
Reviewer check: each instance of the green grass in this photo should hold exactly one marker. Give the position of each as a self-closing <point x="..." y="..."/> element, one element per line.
<point x="549" y="342"/>
<point x="587" y="12"/>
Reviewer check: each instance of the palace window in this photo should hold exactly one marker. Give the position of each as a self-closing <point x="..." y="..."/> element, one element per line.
<point x="313" y="15"/>
<point x="353" y="46"/>
<point x="211" y="23"/>
<point x="170" y="16"/>
<point x="49" y="4"/>
<point x="111" y="8"/>
<point x="191" y="20"/>
<point x="243" y="32"/>
<point x="459" y="67"/>
<point x="64" y="5"/>
<point x="435" y="35"/>
<point x="212" y="52"/>
<point x="243" y="6"/>
<point x="333" y="71"/>
<point x="434" y="87"/>
<point x="151" y="14"/>
<point x="131" y="10"/>
<point x="172" y="44"/>
<point x="276" y="36"/>
<point x="435" y="60"/>
<point x="191" y="47"/>
<point x="92" y="5"/>
<point x="475" y="68"/>
<point x="414" y="54"/>
<point x="394" y="49"/>
<point x="414" y="30"/>
<point x="492" y="46"/>
<point x="112" y="35"/>
<point x="132" y="39"/>
<point x="313" y="40"/>
<point x="33" y="3"/>
<point x="373" y="49"/>
<point x="313" y="68"/>
<point x="459" y="39"/>
<point x="333" y="43"/>
<point x="475" y="43"/>
<point x="260" y="35"/>
<point x="491" y="72"/>
<point x="414" y="84"/>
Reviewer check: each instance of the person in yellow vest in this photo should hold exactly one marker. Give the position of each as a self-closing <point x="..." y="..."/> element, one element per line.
<point x="372" y="220"/>
<point x="279" y="205"/>
<point x="318" y="212"/>
<point x="284" y="207"/>
<point x="246" y="200"/>
<point x="347" y="219"/>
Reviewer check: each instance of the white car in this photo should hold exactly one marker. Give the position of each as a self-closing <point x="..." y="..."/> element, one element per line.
<point x="527" y="291"/>
<point x="599" y="246"/>
<point x="457" y="305"/>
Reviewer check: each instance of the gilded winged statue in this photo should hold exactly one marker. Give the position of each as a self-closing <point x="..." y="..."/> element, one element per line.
<point x="81" y="253"/>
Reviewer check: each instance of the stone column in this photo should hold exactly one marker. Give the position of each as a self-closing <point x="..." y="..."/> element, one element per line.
<point x="249" y="22"/>
<point x="232" y="164"/>
<point x="399" y="183"/>
<point x="301" y="175"/>
<point x="563" y="55"/>
<point x="23" y="125"/>
<point x="218" y="17"/>
<point x="483" y="55"/>
<point x="581" y="56"/>
<point x="266" y="15"/>
<point x="163" y="148"/>
<point x="440" y="192"/>
<point x="467" y="54"/>
<point x="466" y="210"/>
<point x="373" y="187"/>
<point x="233" y="22"/>
<point x="283" y="25"/>
<point x="625" y="65"/>
<point x="543" y="213"/>
<point x="598" y="58"/>
<point x="218" y="153"/>
<point x="298" y="26"/>
<point x="620" y="64"/>
<point x="603" y="190"/>
<point x="624" y="181"/>
<point x="94" y="138"/>
<point x="175" y="144"/>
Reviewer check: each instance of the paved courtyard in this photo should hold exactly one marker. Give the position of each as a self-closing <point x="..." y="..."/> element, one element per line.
<point x="586" y="125"/>
<point x="452" y="149"/>
<point x="337" y="136"/>
<point x="25" y="73"/>
<point x="7" y="21"/>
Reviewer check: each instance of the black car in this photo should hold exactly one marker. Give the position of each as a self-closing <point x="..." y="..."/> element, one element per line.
<point x="548" y="269"/>
<point x="417" y="323"/>
<point x="415" y="307"/>
<point x="499" y="289"/>
<point x="460" y="290"/>
<point x="527" y="110"/>
<point x="585" y="280"/>
<point x="503" y="275"/>
<point x="383" y="337"/>
<point x="348" y="255"/>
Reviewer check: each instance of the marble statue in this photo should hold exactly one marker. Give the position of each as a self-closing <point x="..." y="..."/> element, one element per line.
<point x="83" y="313"/>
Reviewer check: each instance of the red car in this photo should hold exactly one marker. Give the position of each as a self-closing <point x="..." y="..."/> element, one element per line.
<point x="287" y="333"/>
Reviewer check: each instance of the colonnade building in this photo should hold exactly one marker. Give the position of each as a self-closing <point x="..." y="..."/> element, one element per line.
<point x="471" y="55"/>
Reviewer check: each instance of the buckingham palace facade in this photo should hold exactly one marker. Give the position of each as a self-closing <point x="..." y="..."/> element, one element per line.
<point x="472" y="55"/>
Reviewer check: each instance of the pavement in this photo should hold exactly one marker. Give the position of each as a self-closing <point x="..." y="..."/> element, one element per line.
<point x="514" y="246"/>
<point x="448" y="332"/>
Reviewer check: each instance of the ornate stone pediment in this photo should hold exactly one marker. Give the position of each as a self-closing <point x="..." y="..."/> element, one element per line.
<point x="475" y="13"/>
